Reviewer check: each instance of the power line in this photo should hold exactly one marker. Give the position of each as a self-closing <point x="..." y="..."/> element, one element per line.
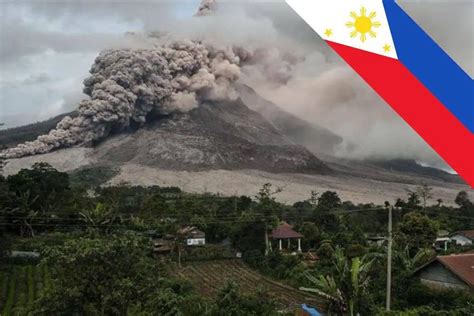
<point x="221" y="217"/>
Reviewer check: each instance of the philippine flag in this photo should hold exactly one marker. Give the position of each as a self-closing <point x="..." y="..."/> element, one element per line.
<point x="405" y="67"/>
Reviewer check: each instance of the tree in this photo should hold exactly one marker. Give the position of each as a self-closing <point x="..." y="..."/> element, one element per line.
<point x="49" y="188"/>
<point x="230" y="302"/>
<point x="408" y="263"/>
<point x="23" y="214"/>
<point x="106" y="276"/>
<point x="424" y="192"/>
<point x="2" y="160"/>
<point x="100" y="216"/>
<point x="328" y="201"/>
<point x="267" y="206"/>
<point x="413" y="200"/>
<point x="347" y="288"/>
<point x="416" y="231"/>
<point x="311" y="234"/>
<point x="462" y="199"/>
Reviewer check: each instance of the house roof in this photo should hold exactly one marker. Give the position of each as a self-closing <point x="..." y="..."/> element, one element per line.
<point x="284" y="231"/>
<point x="466" y="233"/>
<point x="191" y="232"/>
<point x="443" y="233"/>
<point x="462" y="265"/>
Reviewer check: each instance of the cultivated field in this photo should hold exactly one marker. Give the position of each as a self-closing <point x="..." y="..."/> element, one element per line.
<point x="209" y="276"/>
<point x="21" y="285"/>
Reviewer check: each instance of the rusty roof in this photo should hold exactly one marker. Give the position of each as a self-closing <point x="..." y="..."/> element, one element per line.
<point x="284" y="231"/>
<point x="461" y="265"/>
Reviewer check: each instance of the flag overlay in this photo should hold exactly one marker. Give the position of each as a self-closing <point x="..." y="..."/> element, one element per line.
<point x="406" y="68"/>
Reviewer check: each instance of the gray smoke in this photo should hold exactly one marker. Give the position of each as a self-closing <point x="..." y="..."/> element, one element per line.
<point x="207" y="7"/>
<point x="127" y="85"/>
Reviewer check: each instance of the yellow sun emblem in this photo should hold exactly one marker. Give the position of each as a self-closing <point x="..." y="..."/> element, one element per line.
<point x="363" y="24"/>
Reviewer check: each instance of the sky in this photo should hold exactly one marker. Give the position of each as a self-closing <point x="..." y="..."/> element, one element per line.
<point x="47" y="48"/>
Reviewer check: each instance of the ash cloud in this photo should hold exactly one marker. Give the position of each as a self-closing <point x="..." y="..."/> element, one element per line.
<point x="207" y="7"/>
<point x="285" y="61"/>
<point x="127" y="85"/>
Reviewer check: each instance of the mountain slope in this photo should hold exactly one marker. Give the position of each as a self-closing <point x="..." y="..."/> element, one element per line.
<point x="13" y="136"/>
<point x="225" y="135"/>
<point x="314" y="137"/>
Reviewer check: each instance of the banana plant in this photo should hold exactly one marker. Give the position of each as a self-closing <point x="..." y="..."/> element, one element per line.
<point x="343" y="290"/>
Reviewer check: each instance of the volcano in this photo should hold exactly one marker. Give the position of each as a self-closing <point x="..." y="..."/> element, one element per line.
<point x="216" y="135"/>
<point x="234" y="147"/>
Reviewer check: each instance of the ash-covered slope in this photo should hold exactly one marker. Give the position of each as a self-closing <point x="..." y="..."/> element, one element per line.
<point x="314" y="137"/>
<point x="216" y="135"/>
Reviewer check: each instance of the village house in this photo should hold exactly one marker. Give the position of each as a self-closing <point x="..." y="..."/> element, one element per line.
<point x="376" y="240"/>
<point x="192" y="236"/>
<point x="441" y="243"/>
<point x="449" y="272"/>
<point x="442" y="240"/>
<point x="285" y="231"/>
<point x="463" y="237"/>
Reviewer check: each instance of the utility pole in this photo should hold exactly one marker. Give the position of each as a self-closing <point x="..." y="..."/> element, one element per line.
<point x="389" y="259"/>
<point x="266" y="239"/>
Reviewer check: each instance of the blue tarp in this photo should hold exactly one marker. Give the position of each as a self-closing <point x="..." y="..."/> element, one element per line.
<point x="310" y="310"/>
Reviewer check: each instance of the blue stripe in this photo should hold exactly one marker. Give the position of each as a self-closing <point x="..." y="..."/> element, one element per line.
<point x="431" y="65"/>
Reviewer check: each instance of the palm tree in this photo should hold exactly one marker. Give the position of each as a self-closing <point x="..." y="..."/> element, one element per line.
<point x="100" y="216"/>
<point x="410" y="263"/>
<point x="327" y="289"/>
<point x="23" y="214"/>
<point x="346" y="288"/>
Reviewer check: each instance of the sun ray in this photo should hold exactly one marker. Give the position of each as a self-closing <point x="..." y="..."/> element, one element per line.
<point x="363" y="24"/>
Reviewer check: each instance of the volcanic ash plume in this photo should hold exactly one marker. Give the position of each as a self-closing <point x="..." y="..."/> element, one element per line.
<point x="207" y="7"/>
<point x="126" y="85"/>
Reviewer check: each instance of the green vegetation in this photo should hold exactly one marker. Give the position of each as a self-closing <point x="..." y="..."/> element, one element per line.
<point x="97" y="257"/>
<point x="21" y="285"/>
<point x="211" y="276"/>
<point x="92" y="177"/>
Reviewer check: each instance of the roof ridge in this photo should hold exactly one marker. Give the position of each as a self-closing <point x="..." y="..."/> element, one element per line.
<point x="456" y="254"/>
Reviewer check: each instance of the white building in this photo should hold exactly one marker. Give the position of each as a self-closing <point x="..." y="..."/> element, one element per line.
<point x="463" y="237"/>
<point x="193" y="236"/>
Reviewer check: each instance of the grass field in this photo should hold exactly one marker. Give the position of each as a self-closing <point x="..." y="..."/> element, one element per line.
<point x="209" y="276"/>
<point x="21" y="285"/>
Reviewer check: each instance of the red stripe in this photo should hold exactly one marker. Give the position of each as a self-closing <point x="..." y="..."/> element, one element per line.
<point x="416" y="105"/>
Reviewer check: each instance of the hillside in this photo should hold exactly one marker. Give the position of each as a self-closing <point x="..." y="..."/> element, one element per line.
<point x="17" y="135"/>
<point x="210" y="276"/>
<point x="226" y="135"/>
<point x="314" y="137"/>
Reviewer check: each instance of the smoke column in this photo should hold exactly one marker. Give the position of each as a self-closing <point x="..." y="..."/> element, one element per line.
<point x="126" y="85"/>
